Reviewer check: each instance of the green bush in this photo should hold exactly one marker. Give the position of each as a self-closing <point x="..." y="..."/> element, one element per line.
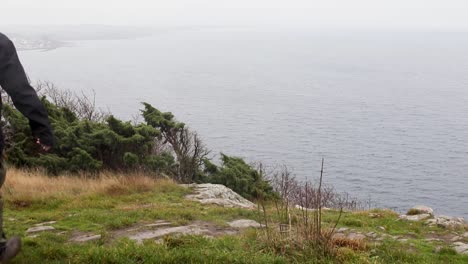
<point x="241" y="177"/>
<point x="85" y="145"/>
<point x="90" y="141"/>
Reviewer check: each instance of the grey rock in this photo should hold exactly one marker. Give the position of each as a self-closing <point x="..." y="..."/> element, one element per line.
<point x="455" y="238"/>
<point x="244" y="223"/>
<point x="39" y="229"/>
<point x="85" y="238"/>
<point x="154" y="234"/>
<point x="381" y="228"/>
<point x="338" y="236"/>
<point x="310" y="209"/>
<point x="448" y="222"/>
<point x="418" y="217"/>
<point x="159" y="224"/>
<point x="382" y="237"/>
<point x="46" y="223"/>
<point x="433" y="239"/>
<point x="461" y="248"/>
<point x="422" y="209"/>
<point x="465" y="235"/>
<point x="341" y="230"/>
<point x="218" y="194"/>
<point x="356" y="236"/>
<point x="304" y="208"/>
<point x="371" y="234"/>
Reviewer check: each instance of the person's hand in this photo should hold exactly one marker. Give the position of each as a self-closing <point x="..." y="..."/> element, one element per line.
<point x="45" y="148"/>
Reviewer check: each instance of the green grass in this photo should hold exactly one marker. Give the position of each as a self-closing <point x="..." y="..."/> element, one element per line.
<point x="106" y="212"/>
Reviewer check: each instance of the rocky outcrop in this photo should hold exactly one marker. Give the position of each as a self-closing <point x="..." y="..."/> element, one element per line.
<point x="447" y="222"/>
<point x="461" y="248"/>
<point x="244" y="223"/>
<point x="218" y="194"/>
<point x="418" y="217"/>
<point x="420" y="209"/>
<point x="154" y="234"/>
<point x="160" y="229"/>
<point x="418" y="213"/>
<point x="421" y="212"/>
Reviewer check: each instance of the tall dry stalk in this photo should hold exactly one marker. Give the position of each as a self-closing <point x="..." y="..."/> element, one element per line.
<point x="306" y="204"/>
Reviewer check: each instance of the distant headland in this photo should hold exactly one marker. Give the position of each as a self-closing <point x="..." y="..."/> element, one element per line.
<point x="52" y="37"/>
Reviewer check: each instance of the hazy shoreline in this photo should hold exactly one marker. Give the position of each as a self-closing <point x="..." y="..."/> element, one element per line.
<point x="52" y="37"/>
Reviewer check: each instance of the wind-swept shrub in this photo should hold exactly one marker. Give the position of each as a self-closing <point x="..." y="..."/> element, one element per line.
<point x="85" y="143"/>
<point x="241" y="177"/>
<point x="187" y="145"/>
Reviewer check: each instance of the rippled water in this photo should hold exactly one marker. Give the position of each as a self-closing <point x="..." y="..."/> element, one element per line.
<point x="388" y="111"/>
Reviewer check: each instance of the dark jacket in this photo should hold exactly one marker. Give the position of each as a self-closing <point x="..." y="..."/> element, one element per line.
<point x="14" y="81"/>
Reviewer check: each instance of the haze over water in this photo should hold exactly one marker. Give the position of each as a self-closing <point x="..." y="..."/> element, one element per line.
<point x="388" y="111"/>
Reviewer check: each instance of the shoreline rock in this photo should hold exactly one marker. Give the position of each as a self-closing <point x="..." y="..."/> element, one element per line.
<point x="418" y="217"/>
<point x="447" y="222"/>
<point x="421" y="212"/>
<point x="420" y="209"/>
<point x="218" y="194"/>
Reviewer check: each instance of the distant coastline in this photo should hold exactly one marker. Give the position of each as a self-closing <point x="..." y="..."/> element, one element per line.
<point x="53" y="37"/>
<point x="23" y="43"/>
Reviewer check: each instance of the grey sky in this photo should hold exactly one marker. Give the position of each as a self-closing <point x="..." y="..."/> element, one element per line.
<point x="389" y="14"/>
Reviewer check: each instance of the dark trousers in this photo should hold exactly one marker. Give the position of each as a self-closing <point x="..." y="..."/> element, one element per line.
<point x="2" y="180"/>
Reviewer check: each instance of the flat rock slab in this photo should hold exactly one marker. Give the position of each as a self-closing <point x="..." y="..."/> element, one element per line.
<point x="461" y="248"/>
<point x="244" y="223"/>
<point x="158" y="224"/>
<point x="154" y="234"/>
<point x="418" y="217"/>
<point x="85" y="238"/>
<point x="46" y="223"/>
<point x="447" y="222"/>
<point x="218" y="194"/>
<point x="39" y="229"/>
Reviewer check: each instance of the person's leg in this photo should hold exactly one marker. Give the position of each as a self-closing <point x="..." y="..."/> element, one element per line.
<point x="11" y="247"/>
<point x="2" y="180"/>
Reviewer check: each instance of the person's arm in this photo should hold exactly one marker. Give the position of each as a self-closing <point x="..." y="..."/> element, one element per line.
<point x="14" y="81"/>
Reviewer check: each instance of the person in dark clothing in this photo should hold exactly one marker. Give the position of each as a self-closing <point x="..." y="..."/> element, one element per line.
<point x="14" y="81"/>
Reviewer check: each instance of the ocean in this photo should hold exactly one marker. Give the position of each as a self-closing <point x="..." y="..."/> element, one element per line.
<point x="387" y="110"/>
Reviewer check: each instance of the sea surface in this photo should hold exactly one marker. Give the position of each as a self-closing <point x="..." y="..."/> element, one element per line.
<point x="387" y="110"/>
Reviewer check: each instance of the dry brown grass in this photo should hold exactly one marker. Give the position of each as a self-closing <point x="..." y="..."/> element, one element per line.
<point x="354" y="244"/>
<point x="24" y="185"/>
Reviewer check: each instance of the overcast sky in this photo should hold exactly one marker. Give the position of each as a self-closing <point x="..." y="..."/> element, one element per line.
<point x="360" y="14"/>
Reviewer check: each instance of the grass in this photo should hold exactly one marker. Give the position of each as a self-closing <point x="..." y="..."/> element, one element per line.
<point x="107" y="203"/>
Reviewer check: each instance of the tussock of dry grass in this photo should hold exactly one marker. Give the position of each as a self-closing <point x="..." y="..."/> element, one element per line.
<point x="354" y="244"/>
<point x="23" y="185"/>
